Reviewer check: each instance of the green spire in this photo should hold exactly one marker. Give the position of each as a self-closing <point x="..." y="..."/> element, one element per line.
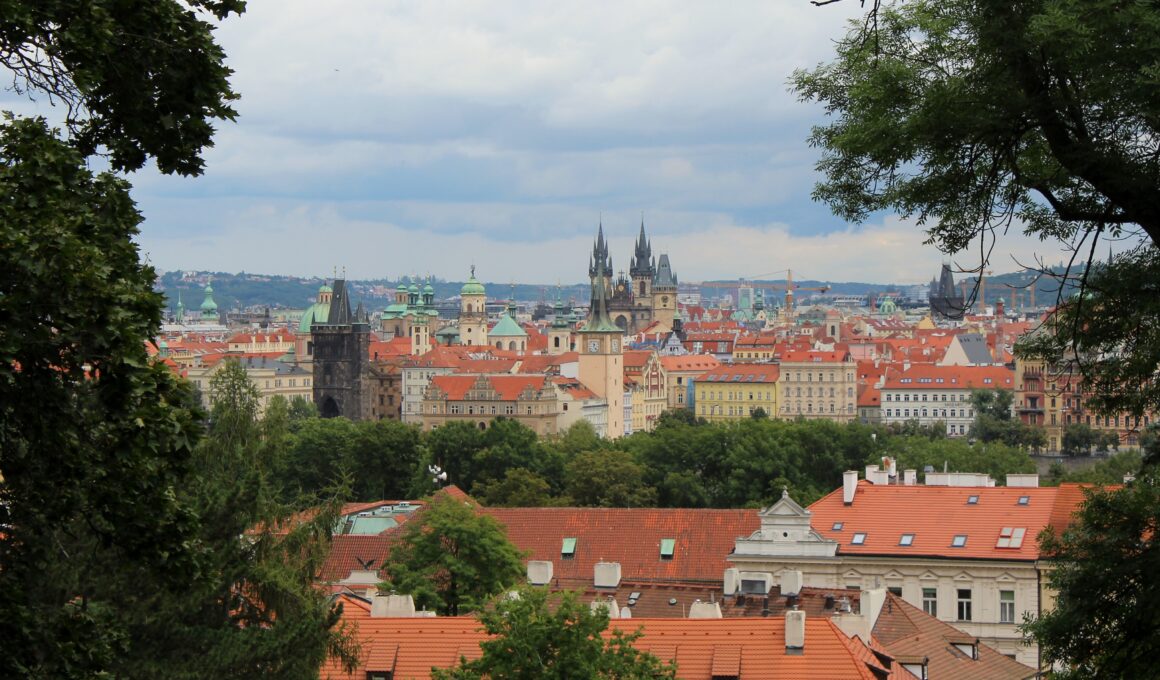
<point x="598" y="319"/>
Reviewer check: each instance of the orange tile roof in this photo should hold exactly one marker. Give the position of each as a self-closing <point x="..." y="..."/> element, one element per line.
<point x="813" y="356"/>
<point x="936" y="514"/>
<point x="953" y="377"/>
<point x="690" y="362"/>
<point x="906" y="631"/>
<point x="752" y="648"/>
<point x="630" y="536"/>
<point x="743" y="373"/>
<point x="508" y="387"/>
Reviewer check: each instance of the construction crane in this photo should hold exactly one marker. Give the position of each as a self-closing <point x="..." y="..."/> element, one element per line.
<point x="789" y="287"/>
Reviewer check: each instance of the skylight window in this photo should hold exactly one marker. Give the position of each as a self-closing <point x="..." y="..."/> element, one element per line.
<point x="838" y="526"/>
<point x="906" y="539"/>
<point x="1010" y="537"/>
<point x="859" y="539"/>
<point x="1025" y="500"/>
<point x="972" y="500"/>
<point x="568" y="550"/>
<point x="959" y="541"/>
<point x="668" y="545"/>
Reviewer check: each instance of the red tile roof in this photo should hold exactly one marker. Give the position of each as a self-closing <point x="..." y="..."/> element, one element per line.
<point x="630" y="536"/>
<point x="742" y="373"/>
<point x="936" y="514"/>
<point x="813" y="356"/>
<point x="952" y="377"/>
<point x="750" y="648"/>
<point x="690" y="362"/>
<point x="905" y="631"/>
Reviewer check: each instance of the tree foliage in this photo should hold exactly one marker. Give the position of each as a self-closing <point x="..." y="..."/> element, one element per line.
<point x="539" y="636"/>
<point x="1104" y="621"/>
<point x="140" y="79"/>
<point x="252" y="609"/>
<point x="452" y="559"/>
<point x="976" y="116"/>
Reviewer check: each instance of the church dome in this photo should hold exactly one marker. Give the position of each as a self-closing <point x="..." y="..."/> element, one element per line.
<point x="208" y="305"/>
<point x="472" y="287"/>
<point x="428" y="289"/>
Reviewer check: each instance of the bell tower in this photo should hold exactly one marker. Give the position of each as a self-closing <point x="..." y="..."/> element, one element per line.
<point x="601" y="362"/>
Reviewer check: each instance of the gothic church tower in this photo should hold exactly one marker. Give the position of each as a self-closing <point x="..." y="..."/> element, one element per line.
<point x="601" y="362"/>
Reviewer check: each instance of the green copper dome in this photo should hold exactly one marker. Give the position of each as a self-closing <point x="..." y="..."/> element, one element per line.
<point x="208" y="305"/>
<point x="428" y="289"/>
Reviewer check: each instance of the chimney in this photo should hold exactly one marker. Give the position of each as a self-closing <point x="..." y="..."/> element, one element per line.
<point x="1025" y="480"/>
<point x="705" y="610"/>
<point x="849" y="484"/>
<point x="606" y="575"/>
<point x="608" y="605"/>
<point x="910" y="477"/>
<point x="795" y="630"/>
<point x="732" y="581"/>
<point x="791" y="582"/>
<point x="392" y="606"/>
<point x="539" y="572"/>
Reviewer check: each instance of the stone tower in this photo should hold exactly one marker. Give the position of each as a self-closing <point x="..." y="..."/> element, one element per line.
<point x="643" y="271"/>
<point x="473" y="312"/>
<point x="560" y="332"/>
<point x="664" y="302"/>
<point x="341" y="359"/>
<point x="601" y="362"/>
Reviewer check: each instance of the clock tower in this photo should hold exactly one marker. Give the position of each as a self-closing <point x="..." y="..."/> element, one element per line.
<point x="601" y="362"/>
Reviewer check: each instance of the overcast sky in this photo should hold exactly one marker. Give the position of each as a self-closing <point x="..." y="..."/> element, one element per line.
<point x="396" y="138"/>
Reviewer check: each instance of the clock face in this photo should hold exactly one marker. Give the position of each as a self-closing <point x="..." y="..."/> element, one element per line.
<point x="593" y="345"/>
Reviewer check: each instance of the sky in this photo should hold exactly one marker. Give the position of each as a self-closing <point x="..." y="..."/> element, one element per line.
<point x="389" y="138"/>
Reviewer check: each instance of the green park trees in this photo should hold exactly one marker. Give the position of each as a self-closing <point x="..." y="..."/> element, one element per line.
<point x="452" y="559"/>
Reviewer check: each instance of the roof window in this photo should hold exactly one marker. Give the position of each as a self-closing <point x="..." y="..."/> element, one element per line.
<point x="859" y="538"/>
<point x="667" y="547"/>
<point x="568" y="550"/>
<point x="959" y="541"/>
<point x="1025" y="500"/>
<point x="973" y="499"/>
<point x="1010" y="537"/>
<point x="906" y="539"/>
<point x="837" y="526"/>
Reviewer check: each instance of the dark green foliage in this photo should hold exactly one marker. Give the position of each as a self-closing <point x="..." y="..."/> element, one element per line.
<point x="93" y="439"/>
<point x="993" y="421"/>
<point x="140" y="78"/>
<point x="452" y="559"/>
<point x="543" y="637"/>
<point x="608" y="479"/>
<point x="1104" y="622"/>
<point x="1103" y="472"/>
<point x="252" y="609"/>
<point x="519" y="488"/>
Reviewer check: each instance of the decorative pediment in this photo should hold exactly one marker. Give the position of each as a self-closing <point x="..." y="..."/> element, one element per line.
<point x="784" y="507"/>
<point x="1005" y="578"/>
<point x="963" y="576"/>
<point x="928" y="575"/>
<point x="852" y="574"/>
<point x="893" y="575"/>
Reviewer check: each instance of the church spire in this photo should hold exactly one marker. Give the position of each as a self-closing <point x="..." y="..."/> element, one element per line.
<point x="641" y="264"/>
<point x="598" y="319"/>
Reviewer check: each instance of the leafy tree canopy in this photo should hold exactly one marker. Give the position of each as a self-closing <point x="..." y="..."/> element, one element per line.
<point x="452" y="559"/>
<point x="540" y="637"/>
<point x="139" y="79"/>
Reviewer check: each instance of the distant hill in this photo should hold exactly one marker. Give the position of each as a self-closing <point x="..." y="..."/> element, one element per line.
<point x="247" y="290"/>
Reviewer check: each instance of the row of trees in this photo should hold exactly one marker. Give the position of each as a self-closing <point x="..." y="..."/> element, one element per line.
<point x="684" y="462"/>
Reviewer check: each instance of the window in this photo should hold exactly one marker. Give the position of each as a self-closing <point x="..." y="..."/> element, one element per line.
<point x="964" y="604"/>
<point x="568" y="550"/>
<point x="859" y="539"/>
<point x="667" y="547"/>
<point x="1006" y="606"/>
<point x="897" y="590"/>
<point x="906" y="539"/>
<point x="1025" y="500"/>
<point x="1010" y="537"/>
<point x="972" y="500"/>
<point x="930" y="601"/>
<point x="959" y="541"/>
<point x="837" y="526"/>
